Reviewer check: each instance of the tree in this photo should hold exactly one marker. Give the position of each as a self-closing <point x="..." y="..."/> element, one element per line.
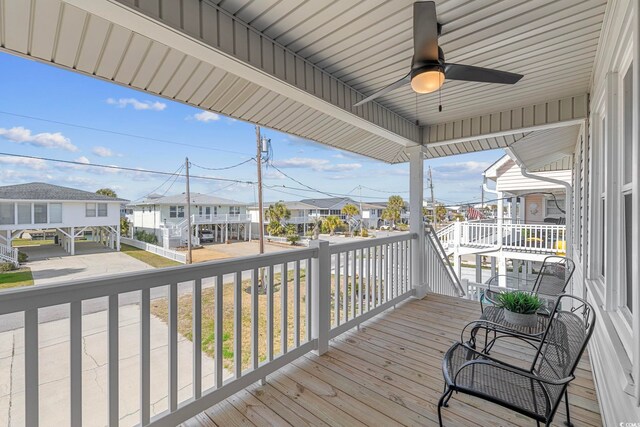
<point x="395" y="206"/>
<point x="124" y="227"/>
<point x="441" y="212"/>
<point x="332" y="222"/>
<point x="107" y="192"/>
<point x="277" y="215"/>
<point x="350" y="210"/>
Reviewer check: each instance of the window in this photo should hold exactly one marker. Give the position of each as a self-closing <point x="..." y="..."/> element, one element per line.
<point x="176" y="211"/>
<point x="40" y="213"/>
<point x="627" y="117"/>
<point x="90" y="210"/>
<point x="102" y="209"/>
<point x="7" y="213"/>
<point x="55" y="213"/>
<point x="24" y="213"/>
<point x="628" y="228"/>
<point x="234" y="210"/>
<point x="554" y="207"/>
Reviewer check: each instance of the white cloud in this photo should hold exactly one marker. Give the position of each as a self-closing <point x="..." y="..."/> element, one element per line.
<point x="206" y="116"/>
<point x="137" y="105"/>
<point x="34" y="164"/>
<point x="318" y="165"/>
<point x="274" y="174"/>
<point x="102" y="152"/>
<point x="464" y="167"/>
<point x="83" y="159"/>
<point x="22" y="135"/>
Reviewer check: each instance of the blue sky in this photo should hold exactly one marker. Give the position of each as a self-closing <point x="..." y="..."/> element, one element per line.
<point x="42" y="91"/>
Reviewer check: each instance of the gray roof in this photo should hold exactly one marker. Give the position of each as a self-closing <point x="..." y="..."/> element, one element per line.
<point x="329" y="203"/>
<point x="43" y="191"/>
<point x="196" y="199"/>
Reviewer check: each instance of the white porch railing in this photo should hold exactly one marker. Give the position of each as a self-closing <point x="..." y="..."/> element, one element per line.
<point x="483" y="234"/>
<point x="158" y="250"/>
<point x="440" y="275"/>
<point x="309" y="296"/>
<point x="220" y="219"/>
<point x="9" y="254"/>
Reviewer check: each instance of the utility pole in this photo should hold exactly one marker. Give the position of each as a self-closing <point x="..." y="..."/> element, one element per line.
<point x="260" y="207"/>
<point x="361" y="217"/>
<point x="482" y="199"/>
<point x="186" y="165"/>
<point x="433" y="202"/>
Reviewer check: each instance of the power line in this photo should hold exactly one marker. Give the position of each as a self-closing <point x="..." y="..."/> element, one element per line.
<point x="161" y="185"/>
<point x="112" y="132"/>
<point x="225" y="167"/>
<point x="123" y="168"/>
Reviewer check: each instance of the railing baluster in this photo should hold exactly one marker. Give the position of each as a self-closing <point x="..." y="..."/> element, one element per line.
<point x="31" y="405"/>
<point x="113" y="382"/>
<point x="296" y="303"/>
<point x="196" y="311"/>
<point x="145" y="357"/>
<point x="367" y="282"/>
<point x="237" y="324"/>
<point x="308" y="299"/>
<point x="217" y="338"/>
<point x="270" y="314"/>
<point x="378" y="273"/>
<point x="75" y="338"/>
<point x="353" y="285"/>
<point x="255" y="280"/>
<point x="360" y="280"/>
<point x="173" y="347"/>
<point x="345" y="287"/>
<point x="336" y="290"/>
<point x="284" y="315"/>
<point x="388" y="272"/>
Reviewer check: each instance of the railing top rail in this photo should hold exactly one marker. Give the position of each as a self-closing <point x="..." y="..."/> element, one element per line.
<point x="23" y="299"/>
<point x="344" y="247"/>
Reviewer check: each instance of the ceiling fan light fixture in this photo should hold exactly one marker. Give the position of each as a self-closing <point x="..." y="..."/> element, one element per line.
<point x="427" y="79"/>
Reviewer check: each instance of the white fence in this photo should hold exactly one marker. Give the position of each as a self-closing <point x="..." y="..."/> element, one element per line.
<point x="9" y="254"/>
<point x="308" y="296"/>
<point x="158" y="250"/>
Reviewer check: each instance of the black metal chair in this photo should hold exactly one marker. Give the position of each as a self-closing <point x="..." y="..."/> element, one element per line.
<point x="535" y="391"/>
<point x="552" y="279"/>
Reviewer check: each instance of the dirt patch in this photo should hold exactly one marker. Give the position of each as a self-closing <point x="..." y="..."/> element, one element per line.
<point x="207" y="254"/>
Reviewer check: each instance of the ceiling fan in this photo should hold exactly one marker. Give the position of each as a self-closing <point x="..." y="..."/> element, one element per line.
<point x="428" y="67"/>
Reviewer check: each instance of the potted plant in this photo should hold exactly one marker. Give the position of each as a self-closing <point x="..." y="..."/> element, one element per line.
<point x="520" y="307"/>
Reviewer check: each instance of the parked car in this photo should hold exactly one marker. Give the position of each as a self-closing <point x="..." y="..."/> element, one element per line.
<point x="206" y="236"/>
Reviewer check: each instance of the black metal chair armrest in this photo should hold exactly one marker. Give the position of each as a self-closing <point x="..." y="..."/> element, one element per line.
<point x="514" y="370"/>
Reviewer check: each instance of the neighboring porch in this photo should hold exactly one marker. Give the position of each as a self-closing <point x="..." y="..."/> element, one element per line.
<point x="387" y="373"/>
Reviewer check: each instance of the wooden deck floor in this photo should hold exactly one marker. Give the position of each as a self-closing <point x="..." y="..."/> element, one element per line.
<point x="388" y="373"/>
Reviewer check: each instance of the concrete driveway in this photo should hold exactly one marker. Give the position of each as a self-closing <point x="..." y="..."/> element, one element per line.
<point x="50" y="263"/>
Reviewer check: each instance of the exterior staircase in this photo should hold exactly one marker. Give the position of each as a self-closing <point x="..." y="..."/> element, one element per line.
<point x="9" y="254"/>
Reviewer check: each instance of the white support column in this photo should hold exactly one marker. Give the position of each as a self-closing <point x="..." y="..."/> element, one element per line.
<point x="493" y="266"/>
<point x="72" y="241"/>
<point x="321" y="296"/>
<point x="118" y="238"/>
<point x="502" y="270"/>
<point x="416" y="226"/>
<point x="478" y="268"/>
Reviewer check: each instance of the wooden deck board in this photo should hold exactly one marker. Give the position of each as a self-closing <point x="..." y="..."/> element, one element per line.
<point x="388" y="373"/>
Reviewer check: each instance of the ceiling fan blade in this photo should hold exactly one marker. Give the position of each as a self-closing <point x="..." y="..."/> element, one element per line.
<point x="470" y="73"/>
<point x="393" y="86"/>
<point x="425" y="31"/>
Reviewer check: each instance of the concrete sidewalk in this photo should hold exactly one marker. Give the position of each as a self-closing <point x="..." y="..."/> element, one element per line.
<point x="54" y="370"/>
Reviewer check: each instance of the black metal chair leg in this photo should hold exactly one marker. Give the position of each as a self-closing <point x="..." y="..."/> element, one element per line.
<point x="568" y="423"/>
<point x="445" y="397"/>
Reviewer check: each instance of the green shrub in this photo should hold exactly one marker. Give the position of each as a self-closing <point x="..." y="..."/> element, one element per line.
<point x="519" y="302"/>
<point x="293" y="239"/>
<point x="22" y="257"/>
<point x="364" y="232"/>
<point x="402" y="227"/>
<point x="143" y="236"/>
<point x="7" y="266"/>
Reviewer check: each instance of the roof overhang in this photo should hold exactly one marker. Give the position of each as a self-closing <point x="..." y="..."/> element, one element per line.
<point x="203" y="54"/>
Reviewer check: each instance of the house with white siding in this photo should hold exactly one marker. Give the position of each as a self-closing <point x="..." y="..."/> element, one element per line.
<point x="68" y="211"/>
<point x="565" y="97"/>
<point x="166" y="218"/>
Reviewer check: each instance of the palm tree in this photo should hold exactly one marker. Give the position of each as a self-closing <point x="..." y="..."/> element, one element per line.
<point x="107" y="192"/>
<point x="332" y="222"/>
<point x="395" y="206"/>
<point x="277" y="215"/>
<point x="350" y="210"/>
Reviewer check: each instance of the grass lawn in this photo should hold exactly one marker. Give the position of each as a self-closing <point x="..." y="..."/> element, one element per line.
<point x="16" y="279"/>
<point x="29" y="242"/>
<point x="147" y="257"/>
<point x="159" y="307"/>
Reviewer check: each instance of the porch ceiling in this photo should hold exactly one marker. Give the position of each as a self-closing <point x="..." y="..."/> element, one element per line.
<point x="547" y="150"/>
<point x="299" y="66"/>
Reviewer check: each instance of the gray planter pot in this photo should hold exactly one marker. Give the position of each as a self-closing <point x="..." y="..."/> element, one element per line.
<point x="519" y="319"/>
